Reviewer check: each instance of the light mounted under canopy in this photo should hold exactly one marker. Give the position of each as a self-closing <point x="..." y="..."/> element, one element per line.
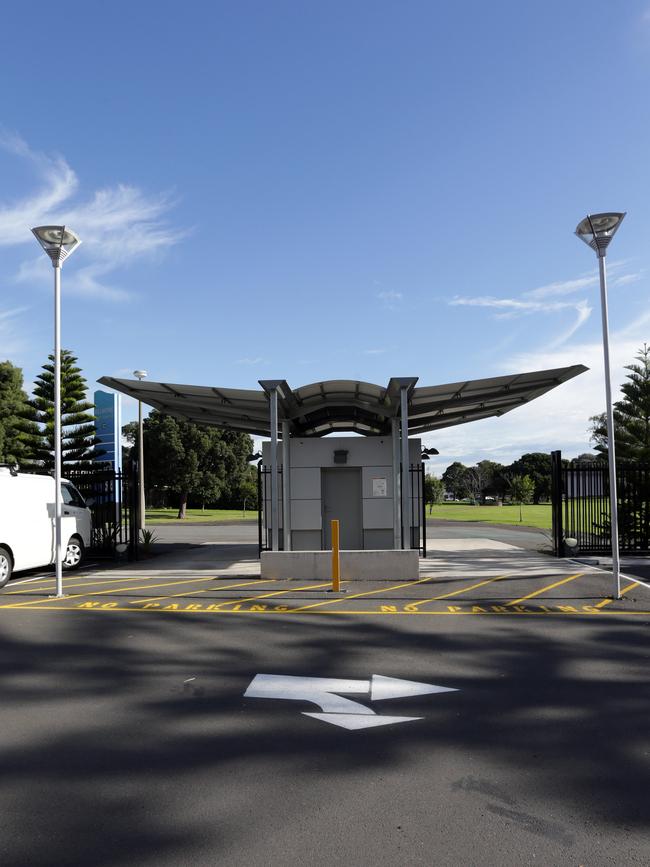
<point x="597" y="230"/>
<point x="57" y="241"/>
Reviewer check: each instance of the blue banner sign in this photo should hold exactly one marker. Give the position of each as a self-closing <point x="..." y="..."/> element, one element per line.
<point x="108" y="427"/>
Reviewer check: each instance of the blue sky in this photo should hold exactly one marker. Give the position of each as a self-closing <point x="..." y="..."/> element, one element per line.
<point x="349" y="190"/>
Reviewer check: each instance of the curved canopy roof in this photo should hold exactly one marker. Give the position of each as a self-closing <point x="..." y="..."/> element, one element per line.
<point x="345" y="405"/>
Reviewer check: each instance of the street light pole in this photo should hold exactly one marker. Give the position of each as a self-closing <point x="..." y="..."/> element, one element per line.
<point x="58" y="242"/>
<point x="141" y="374"/>
<point x="58" y="543"/>
<point x="597" y="230"/>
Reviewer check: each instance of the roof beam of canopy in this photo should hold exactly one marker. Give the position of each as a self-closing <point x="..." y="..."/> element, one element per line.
<point x="320" y="408"/>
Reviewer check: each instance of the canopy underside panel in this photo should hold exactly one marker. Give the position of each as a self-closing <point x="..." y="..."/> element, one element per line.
<point x="346" y="405"/>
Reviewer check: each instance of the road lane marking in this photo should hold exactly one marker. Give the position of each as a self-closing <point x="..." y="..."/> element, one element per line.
<point x="88" y="584"/>
<point x="451" y="610"/>
<point x="106" y="592"/>
<point x="274" y="593"/>
<point x="609" y="600"/>
<point x="330" y="695"/>
<point x="463" y="590"/>
<point x="544" y="589"/>
<point x="358" y="595"/>
<point x="204" y="590"/>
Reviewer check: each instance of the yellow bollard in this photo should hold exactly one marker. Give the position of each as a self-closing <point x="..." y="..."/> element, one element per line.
<point x="336" y="558"/>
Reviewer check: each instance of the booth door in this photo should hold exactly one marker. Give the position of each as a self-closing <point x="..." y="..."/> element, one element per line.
<point x="341" y="499"/>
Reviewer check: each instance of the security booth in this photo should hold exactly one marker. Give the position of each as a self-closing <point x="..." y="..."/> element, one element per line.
<point x="367" y="479"/>
<point x="354" y="480"/>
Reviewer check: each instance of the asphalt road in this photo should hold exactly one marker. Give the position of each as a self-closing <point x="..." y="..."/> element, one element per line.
<point x="127" y="740"/>
<point x="197" y="534"/>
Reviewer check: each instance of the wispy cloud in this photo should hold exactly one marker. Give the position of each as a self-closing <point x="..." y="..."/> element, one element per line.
<point x="563" y="287"/>
<point x="544" y="299"/>
<point x="250" y="361"/>
<point x="586" y="281"/>
<point x="558" y="419"/>
<point x="625" y="279"/>
<point x="510" y="307"/>
<point x="390" y="298"/>
<point x="10" y="342"/>
<point x="117" y="225"/>
<point x="373" y="351"/>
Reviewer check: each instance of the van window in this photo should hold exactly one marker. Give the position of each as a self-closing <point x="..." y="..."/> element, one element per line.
<point x="71" y="496"/>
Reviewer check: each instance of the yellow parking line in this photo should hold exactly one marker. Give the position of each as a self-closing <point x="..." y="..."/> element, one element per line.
<point x="609" y="600"/>
<point x="358" y="595"/>
<point x="458" y="592"/>
<point x="544" y="589"/>
<point x="106" y="592"/>
<point x="204" y="590"/>
<point x="585" y="611"/>
<point x="87" y="584"/>
<point x="274" y="593"/>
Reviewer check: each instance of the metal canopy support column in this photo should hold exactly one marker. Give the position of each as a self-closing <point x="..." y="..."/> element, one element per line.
<point x="286" y="486"/>
<point x="275" y="544"/>
<point x="406" y="470"/>
<point x="397" y="524"/>
<point x="274" y="388"/>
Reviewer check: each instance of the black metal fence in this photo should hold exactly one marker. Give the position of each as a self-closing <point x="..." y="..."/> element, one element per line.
<point x="581" y="507"/>
<point x="264" y="530"/>
<point x="418" y="509"/>
<point x="114" y="506"/>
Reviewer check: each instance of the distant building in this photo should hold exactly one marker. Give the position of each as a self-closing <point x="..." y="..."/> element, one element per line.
<point x="108" y="428"/>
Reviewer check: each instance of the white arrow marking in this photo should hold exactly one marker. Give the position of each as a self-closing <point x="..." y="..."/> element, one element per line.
<point x="320" y="691"/>
<point x="394" y="687"/>
<point x="339" y="711"/>
<point x="354" y="721"/>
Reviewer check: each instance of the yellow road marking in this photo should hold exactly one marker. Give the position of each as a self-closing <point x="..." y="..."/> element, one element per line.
<point x="463" y="590"/>
<point x="87" y="584"/>
<point x="623" y="592"/>
<point x="584" y="611"/>
<point x="274" y="593"/>
<point x="106" y="592"/>
<point x="204" y="590"/>
<point x="544" y="589"/>
<point x="358" y="595"/>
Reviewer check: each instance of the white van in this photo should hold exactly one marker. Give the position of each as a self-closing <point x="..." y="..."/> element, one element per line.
<point x="27" y="535"/>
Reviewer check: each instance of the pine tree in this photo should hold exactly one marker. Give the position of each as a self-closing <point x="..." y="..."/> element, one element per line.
<point x="631" y="415"/>
<point x="78" y="439"/>
<point x="17" y="426"/>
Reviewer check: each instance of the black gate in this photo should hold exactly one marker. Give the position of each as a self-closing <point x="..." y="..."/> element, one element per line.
<point x="113" y="500"/>
<point x="418" y="509"/>
<point x="264" y="530"/>
<point x="581" y="507"/>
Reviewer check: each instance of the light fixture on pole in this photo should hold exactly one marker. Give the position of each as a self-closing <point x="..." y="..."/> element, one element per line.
<point x="141" y="374"/>
<point x="597" y="230"/>
<point x="58" y="242"/>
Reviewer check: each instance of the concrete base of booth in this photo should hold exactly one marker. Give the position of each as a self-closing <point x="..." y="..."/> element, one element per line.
<point x="317" y="565"/>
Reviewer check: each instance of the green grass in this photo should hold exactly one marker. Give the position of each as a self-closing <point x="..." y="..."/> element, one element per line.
<point x="197" y="516"/>
<point x="533" y="516"/>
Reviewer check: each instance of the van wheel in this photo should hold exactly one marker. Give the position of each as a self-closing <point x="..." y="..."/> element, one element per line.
<point x="74" y="553"/>
<point x="6" y="566"/>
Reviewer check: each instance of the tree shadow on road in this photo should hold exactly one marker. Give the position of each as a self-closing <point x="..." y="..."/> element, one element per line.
<point x="127" y="737"/>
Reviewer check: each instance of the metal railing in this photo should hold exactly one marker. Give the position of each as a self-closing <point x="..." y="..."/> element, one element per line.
<point x="114" y="497"/>
<point x="581" y="507"/>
